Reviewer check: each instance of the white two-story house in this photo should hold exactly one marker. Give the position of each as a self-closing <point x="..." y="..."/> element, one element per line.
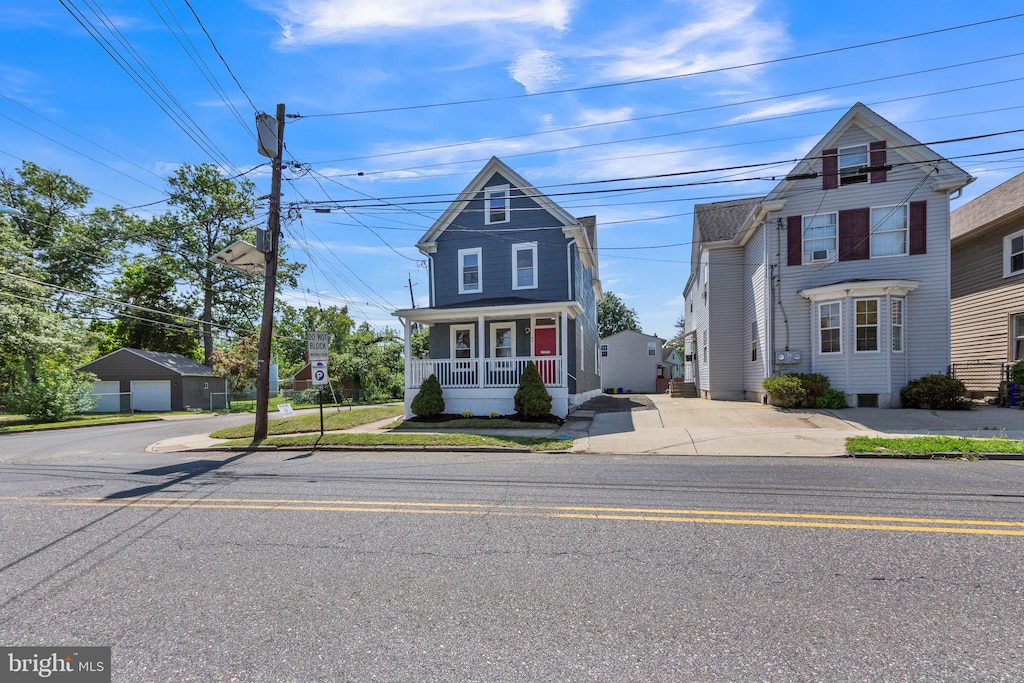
<point x="842" y="269"/>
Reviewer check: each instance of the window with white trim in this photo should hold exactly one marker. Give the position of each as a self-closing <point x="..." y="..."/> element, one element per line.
<point x="651" y="348"/>
<point x="503" y="340"/>
<point x="820" y="237"/>
<point x="899" y="307"/>
<point x="830" y="327"/>
<point x="462" y="341"/>
<point x="470" y="281"/>
<point x="705" y="273"/>
<point x="496" y="204"/>
<point x="852" y="164"/>
<point x="866" y="324"/>
<point x="1018" y="337"/>
<point x="1013" y="254"/>
<point x="524" y="266"/>
<point x="889" y="229"/>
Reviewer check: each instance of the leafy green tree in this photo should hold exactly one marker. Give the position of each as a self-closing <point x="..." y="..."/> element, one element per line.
<point x="614" y="316"/>
<point x="420" y="343"/>
<point x="150" y="282"/>
<point x="293" y="324"/>
<point x="372" y="361"/>
<point x="237" y="363"/>
<point x="57" y="393"/>
<point x="210" y="212"/>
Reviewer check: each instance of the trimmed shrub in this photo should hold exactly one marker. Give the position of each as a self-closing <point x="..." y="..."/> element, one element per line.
<point x="429" y="402"/>
<point x="831" y="399"/>
<point x="532" y="398"/>
<point x="935" y="392"/>
<point x="786" y="391"/>
<point x="815" y="385"/>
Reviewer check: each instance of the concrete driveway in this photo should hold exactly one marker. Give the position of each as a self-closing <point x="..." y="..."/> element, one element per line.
<point x="682" y="426"/>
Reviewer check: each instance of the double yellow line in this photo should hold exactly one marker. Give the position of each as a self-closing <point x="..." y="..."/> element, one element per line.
<point x="622" y="514"/>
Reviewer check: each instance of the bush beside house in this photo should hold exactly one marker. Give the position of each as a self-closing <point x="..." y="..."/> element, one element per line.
<point x="429" y="401"/>
<point x="532" y="399"/>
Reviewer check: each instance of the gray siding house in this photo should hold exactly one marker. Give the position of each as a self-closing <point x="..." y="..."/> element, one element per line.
<point x="987" y="278"/>
<point x="513" y="278"/>
<point x="630" y="361"/>
<point x="842" y="269"/>
<point x="153" y="381"/>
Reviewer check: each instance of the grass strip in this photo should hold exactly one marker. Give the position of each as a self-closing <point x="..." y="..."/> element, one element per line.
<point x="310" y="422"/>
<point x="19" y="423"/>
<point x="474" y="423"/>
<point x="463" y="440"/>
<point x="931" y="445"/>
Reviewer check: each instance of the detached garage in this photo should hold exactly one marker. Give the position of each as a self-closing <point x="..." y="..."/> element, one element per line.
<point x="157" y="382"/>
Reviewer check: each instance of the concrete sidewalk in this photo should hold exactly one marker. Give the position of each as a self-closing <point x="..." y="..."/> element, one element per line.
<point x="682" y="426"/>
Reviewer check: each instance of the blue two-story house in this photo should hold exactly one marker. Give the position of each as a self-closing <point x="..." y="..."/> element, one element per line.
<point x="513" y="279"/>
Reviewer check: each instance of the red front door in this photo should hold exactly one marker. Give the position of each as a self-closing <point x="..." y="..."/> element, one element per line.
<point x="545" y="343"/>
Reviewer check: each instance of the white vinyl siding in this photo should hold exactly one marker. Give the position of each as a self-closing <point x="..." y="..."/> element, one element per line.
<point x="470" y="267"/>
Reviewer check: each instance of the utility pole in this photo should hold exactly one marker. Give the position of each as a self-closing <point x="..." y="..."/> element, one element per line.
<point x="411" y="297"/>
<point x="269" y="287"/>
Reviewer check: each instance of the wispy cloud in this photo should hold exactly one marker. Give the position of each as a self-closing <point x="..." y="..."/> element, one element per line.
<point x="337" y="21"/>
<point x="788" y="107"/>
<point x="536" y="70"/>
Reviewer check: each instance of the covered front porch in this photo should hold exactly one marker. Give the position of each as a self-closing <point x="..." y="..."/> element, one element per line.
<point x="479" y="354"/>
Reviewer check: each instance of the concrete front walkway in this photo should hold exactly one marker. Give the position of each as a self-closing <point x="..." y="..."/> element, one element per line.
<point x="682" y="426"/>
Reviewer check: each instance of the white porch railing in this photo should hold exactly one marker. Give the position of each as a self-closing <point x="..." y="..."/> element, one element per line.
<point x="496" y="372"/>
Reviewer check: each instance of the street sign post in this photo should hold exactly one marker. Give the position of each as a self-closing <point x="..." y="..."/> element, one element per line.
<point x="318" y="369"/>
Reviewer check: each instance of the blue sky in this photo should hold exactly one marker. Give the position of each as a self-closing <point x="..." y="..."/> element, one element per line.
<point x="339" y="57"/>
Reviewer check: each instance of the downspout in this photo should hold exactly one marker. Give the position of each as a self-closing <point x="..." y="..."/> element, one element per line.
<point x="568" y="268"/>
<point x="430" y="268"/>
<point x="769" y="351"/>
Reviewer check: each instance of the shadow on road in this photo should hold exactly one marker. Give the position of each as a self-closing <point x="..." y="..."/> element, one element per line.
<point x="188" y="470"/>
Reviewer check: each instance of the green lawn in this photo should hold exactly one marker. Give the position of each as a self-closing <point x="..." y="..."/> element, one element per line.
<point x="392" y="439"/>
<point x="19" y="423"/>
<point x="249" y="406"/>
<point x="475" y="423"/>
<point x="931" y="445"/>
<point x="333" y="419"/>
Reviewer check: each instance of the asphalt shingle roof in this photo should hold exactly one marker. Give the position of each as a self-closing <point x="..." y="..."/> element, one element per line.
<point x="722" y="220"/>
<point x="1000" y="201"/>
<point x="175" y="362"/>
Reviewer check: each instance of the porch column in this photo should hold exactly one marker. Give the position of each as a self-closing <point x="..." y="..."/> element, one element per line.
<point x="408" y="352"/>
<point x="480" y="352"/>
<point x="564" y="349"/>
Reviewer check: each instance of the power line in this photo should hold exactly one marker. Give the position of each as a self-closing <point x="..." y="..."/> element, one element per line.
<point x="222" y="59"/>
<point x="704" y="72"/>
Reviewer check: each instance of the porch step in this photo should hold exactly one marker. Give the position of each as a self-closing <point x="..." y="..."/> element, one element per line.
<point x="682" y="389"/>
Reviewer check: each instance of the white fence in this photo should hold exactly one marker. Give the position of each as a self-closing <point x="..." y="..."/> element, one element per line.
<point x="484" y="372"/>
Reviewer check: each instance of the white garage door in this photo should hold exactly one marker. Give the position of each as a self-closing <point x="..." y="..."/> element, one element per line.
<point x="151" y="394"/>
<point x="106" y="396"/>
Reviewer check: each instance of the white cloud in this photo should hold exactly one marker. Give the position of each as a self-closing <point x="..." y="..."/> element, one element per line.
<point x="336" y="21"/>
<point x="536" y="70"/>
<point x="588" y="117"/>
<point x="789" y="107"/>
<point x="723" y="33"/>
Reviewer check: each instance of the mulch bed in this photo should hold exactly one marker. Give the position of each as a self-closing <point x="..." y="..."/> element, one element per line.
<point x="620" y="403"/>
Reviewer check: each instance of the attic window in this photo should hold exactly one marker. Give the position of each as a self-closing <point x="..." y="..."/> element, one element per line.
<point x="853" y="164"/>
<point x="496" y="204"/>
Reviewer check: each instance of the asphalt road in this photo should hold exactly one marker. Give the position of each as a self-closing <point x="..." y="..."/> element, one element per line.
<point x="501" y="567"/>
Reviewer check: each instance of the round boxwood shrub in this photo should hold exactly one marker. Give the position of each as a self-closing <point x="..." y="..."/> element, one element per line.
<point x="786" y="391"/>
<point x="532" y="399"/>
<point x="429" y="401"/>
<point x="935" y="392"/>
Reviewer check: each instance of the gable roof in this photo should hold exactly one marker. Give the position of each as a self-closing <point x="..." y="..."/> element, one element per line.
<point x="720" y="221"/>
<point x="1001" y="201"/>
<point x="172" y="361"/>
<point x="947" y="175"/>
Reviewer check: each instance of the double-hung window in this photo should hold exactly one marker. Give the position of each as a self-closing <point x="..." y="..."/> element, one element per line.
<point x="820" y="237"/>
<point x="524" y="266"/>
<point x="866" y="324"/>
<point x="470" y="281"/>
<point x="1018" y="337"/>
<point x="652" y="348"/>
<point x="830" y="326"/>
<point x="853" y="162"/>
<point x="899" y="312"/>
<point x="1013" y="254"/>
<point x="503" y="341"/>
<point x="889" y="231"/>
<point x="496" y="204"/>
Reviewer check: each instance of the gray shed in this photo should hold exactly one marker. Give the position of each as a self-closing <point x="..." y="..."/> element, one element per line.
<point x="154" y="381"/>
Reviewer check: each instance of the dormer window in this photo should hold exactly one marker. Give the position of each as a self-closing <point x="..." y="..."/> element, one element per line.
<point x="853" y="163"/>
<point x="496" y="204"/>
<point x="524" y="266"/>
<point x="470" y="281"/>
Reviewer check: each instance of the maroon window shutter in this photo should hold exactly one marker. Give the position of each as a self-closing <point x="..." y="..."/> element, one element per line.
<point x="794" y="240"/>
<point x="918" y="227"/>
<point x="877" y="160"/>
<point x="854" y="234"/>
<point x="830" y="169"/>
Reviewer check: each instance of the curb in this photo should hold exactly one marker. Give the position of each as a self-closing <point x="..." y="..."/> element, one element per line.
<point x="412" y="449"/>
<point x="946" y="455"/>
